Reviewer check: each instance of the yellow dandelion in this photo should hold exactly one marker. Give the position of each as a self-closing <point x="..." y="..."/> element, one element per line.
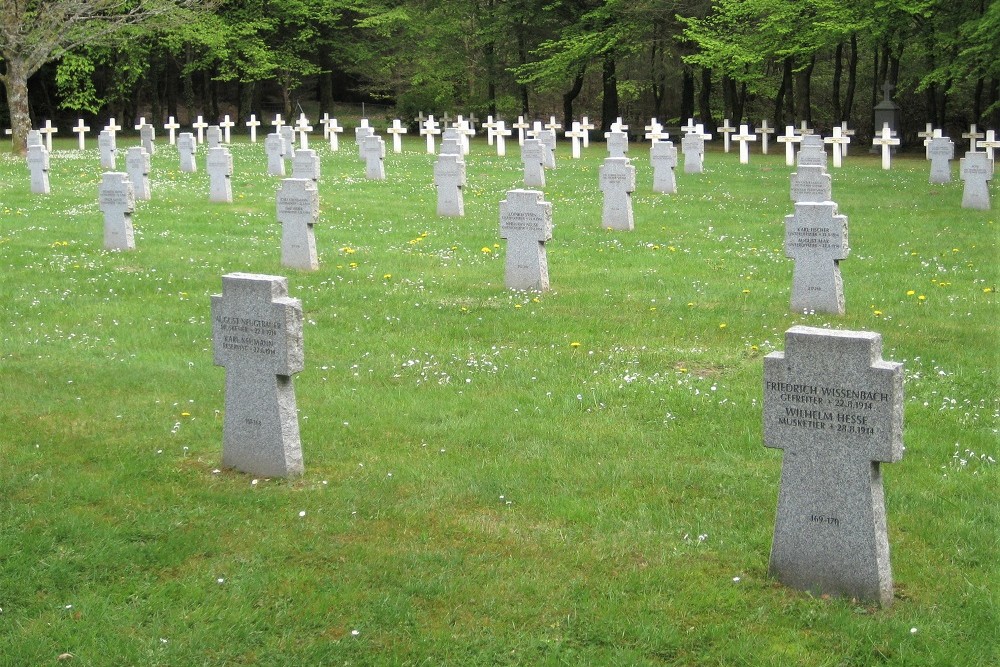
<point x="671" y="248"/>
<point x="910" y="292"/>
<point x="746" y="291"/>
<point x="877" y="313"/>
<point x="517" y="305"/>
<point x="690" y="304"/>
<point x="486" y="250"/>
<point x="353" y="265"/>
<point x="185" y="414"/>
<point x="987" y="290"/>
<point x="386" y="276"/>
<point x="922" y="297"/>
<point x="652" y="307"/>
<point x="574" y="344"/>
<point x="723" y="325"/>
<point x="496" y="245"/>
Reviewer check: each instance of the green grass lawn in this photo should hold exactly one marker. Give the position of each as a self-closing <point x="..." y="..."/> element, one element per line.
<point x="492" y="477"/>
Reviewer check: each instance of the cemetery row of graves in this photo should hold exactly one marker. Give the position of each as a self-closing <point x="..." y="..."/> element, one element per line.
<point x="706" y="336"/>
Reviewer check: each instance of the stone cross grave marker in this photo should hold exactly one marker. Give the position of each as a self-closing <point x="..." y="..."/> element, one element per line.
<point x="693" y="146"/>
<point x="253" y="124"/>
<point x="726" y="130"/>
<point x="520" y="126"/>
<point x="848" y="133"/>
<point x="298" y="211"/>
<point x="186" y="146"/>
<point x="451" y="144"/>
<point x="147" y="134"/>
<point x="764" y="131"/>
<point x="976" y="169"/>
<point x="534" y="163"/>
<point x="500" y="133"/>
<point x="526" y="223"/>
<point x="790" y="138"/>
<point x="373" y="148"/>
<point x="466" y="131"/>
<point x="548" y="139"/>
<point x="744" y="138"/>
<point x="926" y="135"/>
<point x="396" y="129"/>
<point x="34" y="138"/>
<point x="48" y="130"/>
<point x="990" y="143"/>
<point x="113" y="127"/>
<point x="287" y="134"/>
<point x="839" y="143"/>
<point x="38" y="167"/>
<point x="171" y="126"/>
<point x="811" y="183"/>
<point x="618" y="126"/>
<point x="804" y="129"/>
<point x="137" y="166"/>
<point x="690" y="127"/>
<point x="812" y="151"/>
<point x="816" y="238"/>
<point x="213" y="136"/>
<point x="586" y="126"/>
<point x="553" y="124"/>
<point x="836" y="409"/>
<point x="657" y="133"/>
<point x="428" y="129"/>
<point x="227" y="126"/>
<point x="257" y="337"/>
<point x="575" y="135"/>
<point x="81" y="130"/>
<point x="107" y="146"/>
<point x="325" y="122"/>
<point x="942" y="151"/>
<point x="360" y="132"/>
<point x="491" y="126"/>
<point x="306" y="165"/>
<point x="199" y="126"/>
<point x="303" y="127"/>
<point x="449" y="178"/>
<point x="278" y="122"/>
<point x="886" y="141"/>
<point x="972" y="135"/>
<point x="334" y="129"/>
<point x="273" y="146"/>
<point x="617" y="178"/>
<point x="617" y="144"/>
<point x="117" y="201"/>
<point x="219" y="165"/>
<point x="663" y="156"/>
<point x="654" y="127"/>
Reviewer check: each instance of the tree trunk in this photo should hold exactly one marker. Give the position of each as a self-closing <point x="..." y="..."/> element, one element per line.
<point x="609" y="105"/>
<point x="977" y="100"/>
<point x="838" y="68"/>
<point x="15" y="80"/>
<point x="852" y="79"/>
<point x="728" y="95"/>
<point x="803" y="81"/>
<point x="784" y="91"/>
<point x="522" y="51"/>
<point x="705" y="98"/>
<point x="687" y="95"/>
<point x="326" y="92"/>
<point x="568" y="99"/>
<point x="994" y="101"/>
<point x="171" y="87"/>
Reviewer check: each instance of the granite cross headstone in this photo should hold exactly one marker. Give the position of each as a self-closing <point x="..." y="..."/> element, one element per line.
<point x="213" y="136"/>
<point x="171" y="126"/>
<point x="617" y="177"/>
<point x="449" y="178"/>
<point x="835" y="408"/>
<point x="298" y="211"/>
<point x="186" y="147"/>
<point x="137" y="165"/>
<point x="663" y="155"/>
<point x="117" y="201"/>
<point x="942" y="152"/>
<point x="107" y="146"/>
<point x="976" y="169"/>
<point x="811" y="183"/>
<point x="257" y="337"/>
<point x="534" y="165"/>
<point x="273" y="146"/>
<point x="305" y="164"/>
<point x="373" y="148"/>
<point x="38" y="166"/>
<point x="526" y="223"/>
<point x="219" y="165"/>
<point x="147" y="133"/>
<point x="816" y="238"/>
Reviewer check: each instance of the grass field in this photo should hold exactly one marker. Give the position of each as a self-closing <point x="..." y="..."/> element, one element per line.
<point x="492" y="477"/>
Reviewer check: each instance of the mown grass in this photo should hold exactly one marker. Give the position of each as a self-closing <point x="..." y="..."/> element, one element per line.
<point x="478" y="489"/>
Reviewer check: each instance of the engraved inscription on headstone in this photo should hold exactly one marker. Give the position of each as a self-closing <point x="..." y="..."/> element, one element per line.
<point x="449" y="178"/>
<point x="137" y="164"/>
<point x="663" y="155"/>
<point x="836" y="409"/>
<point x="373" y="149"/>
<point x="305" y="164"/>
<point x="811" y="183"/>
<point x="941" y="150"/>
<point x="107" y="146"/>
<point x="219" y="165"/>
<point x="533" y="160"/>
<point x="273" y="146"/>
<point x="976" y="169"/>
<point x="186" y="146"/>
<point x="38" y="166"/>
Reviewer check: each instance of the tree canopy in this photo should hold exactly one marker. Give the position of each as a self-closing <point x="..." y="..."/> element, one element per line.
<point x="822" y="61"/>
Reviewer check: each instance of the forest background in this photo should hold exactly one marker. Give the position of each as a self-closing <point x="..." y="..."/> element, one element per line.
<point x="822" y="61"/>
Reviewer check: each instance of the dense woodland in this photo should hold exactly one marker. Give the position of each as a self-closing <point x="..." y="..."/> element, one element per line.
<point x="822" y="61"/>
